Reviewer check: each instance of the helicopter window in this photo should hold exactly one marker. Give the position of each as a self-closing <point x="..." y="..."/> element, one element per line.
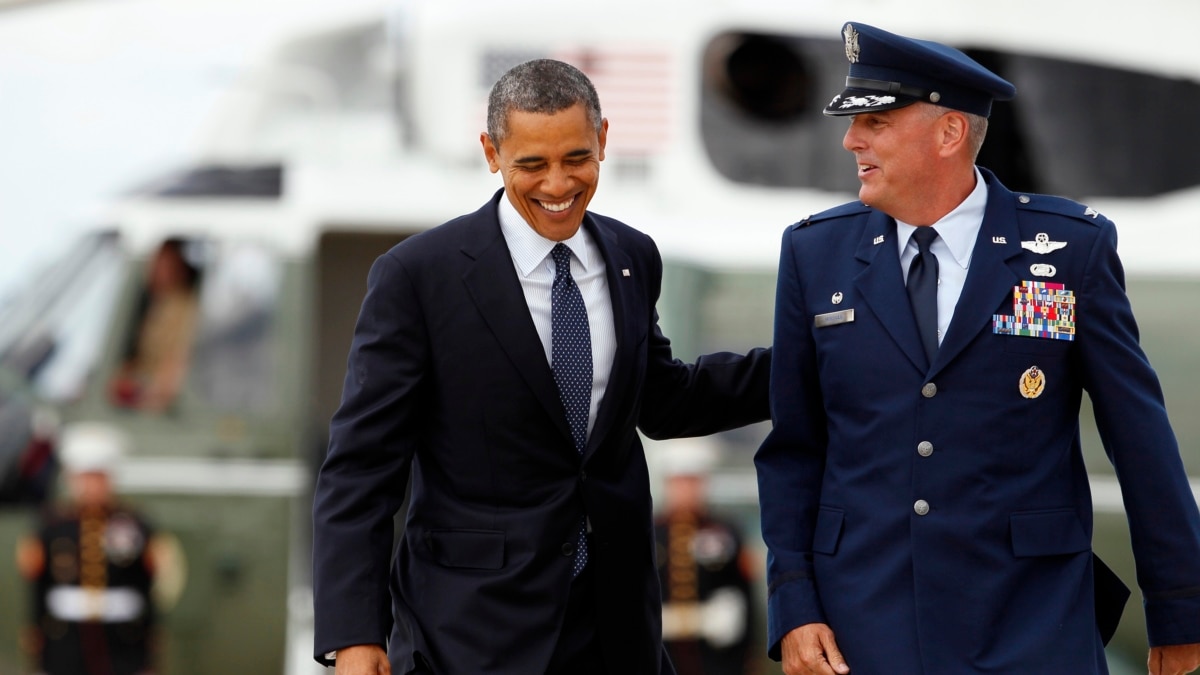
<point x="1098" y="130"/>
<point x="233" y="359"/>
<point x="760" y="111"/>
<point x="158" y="347"/>
<point x="763" y="76"/>
<point x="52" y="331"/>
<point x="1075" y="129"/>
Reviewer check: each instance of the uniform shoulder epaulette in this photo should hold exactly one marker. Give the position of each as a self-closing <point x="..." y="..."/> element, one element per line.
<point x="847" y="209"/>
<point x="1061" y="206"/>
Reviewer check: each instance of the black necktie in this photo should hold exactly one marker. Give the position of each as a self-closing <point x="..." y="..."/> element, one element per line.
<point x="571" y="361"/>
<point x="922" y="289"/>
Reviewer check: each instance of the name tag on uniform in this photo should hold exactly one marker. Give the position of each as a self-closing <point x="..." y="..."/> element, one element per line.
<point x="833" y="318"/>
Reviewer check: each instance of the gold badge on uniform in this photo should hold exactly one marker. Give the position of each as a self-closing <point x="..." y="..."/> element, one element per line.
<point x="1033" y="382"/>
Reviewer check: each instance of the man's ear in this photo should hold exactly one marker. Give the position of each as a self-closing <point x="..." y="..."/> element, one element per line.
<point x="953" y="130"/>
<point x="489" y="152"/>
<point x="603" y="136"/>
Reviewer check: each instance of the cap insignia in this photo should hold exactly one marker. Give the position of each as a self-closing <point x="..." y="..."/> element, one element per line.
<point x="851" y="36"/>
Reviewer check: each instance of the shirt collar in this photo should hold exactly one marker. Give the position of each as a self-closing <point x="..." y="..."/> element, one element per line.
<point x="530" y="249"/>
<point x="958" y="229"/>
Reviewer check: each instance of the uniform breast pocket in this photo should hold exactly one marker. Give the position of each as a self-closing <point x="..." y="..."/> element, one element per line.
<point x="1033" y="346"/>
<point x="828" y="531"/>
<point x="1049" y="532"/>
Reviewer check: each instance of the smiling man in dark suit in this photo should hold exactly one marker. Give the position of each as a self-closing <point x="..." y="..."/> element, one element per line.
<point x="506" y="359"/>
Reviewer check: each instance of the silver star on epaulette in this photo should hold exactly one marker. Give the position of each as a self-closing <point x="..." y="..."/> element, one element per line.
<point x="1089" y="211"/>
<point x="1041" y="244"/>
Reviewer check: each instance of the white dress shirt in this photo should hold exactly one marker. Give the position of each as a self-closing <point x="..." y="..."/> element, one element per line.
<point x="535" y="269"/>
<point x="957" y="232"/>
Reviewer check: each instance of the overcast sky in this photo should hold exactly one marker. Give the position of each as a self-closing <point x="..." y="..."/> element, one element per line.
<point x="96" y="96"/>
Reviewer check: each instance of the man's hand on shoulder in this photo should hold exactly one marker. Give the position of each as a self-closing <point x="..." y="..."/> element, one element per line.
<point x="1174" y="659"/>
<point x="362" y="660"/>
<point x="811" y="650"/>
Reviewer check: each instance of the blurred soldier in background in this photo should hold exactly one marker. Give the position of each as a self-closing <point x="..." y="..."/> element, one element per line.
<point x="702" y="566"/>
<point x="90" y="566"/>
<point x="30" y="476"/>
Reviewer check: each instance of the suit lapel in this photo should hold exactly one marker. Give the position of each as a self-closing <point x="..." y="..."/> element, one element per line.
<point x="620" y="291"/>
<point x="492" y="283"/>
<point x="989" y="279"/>
<point x="881" y="284"/>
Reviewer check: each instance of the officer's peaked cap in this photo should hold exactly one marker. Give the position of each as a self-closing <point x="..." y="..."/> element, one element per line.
<point x="891" y="71"/>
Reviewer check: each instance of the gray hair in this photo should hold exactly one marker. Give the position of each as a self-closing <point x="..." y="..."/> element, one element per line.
<point x="540" y="86"/>
<point x="977" y="126"/>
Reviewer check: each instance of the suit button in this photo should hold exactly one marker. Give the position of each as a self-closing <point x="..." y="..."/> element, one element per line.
<point x="921" y="507"/>
<point x="568" y="549"/>
<point x="929" y="390"/>
<point x="582" y="475"/>
<point x="925" y="448"/>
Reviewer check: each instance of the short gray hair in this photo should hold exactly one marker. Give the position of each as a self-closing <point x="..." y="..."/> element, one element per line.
<point x="540" y="86"/>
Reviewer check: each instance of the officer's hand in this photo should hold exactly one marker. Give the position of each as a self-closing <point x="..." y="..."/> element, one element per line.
<point x="363" y="660"/>
<point x="811" y="650"/>
<point x="1174" y="659"/>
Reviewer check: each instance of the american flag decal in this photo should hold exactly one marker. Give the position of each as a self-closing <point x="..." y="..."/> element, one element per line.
<point x="636" y="85"/>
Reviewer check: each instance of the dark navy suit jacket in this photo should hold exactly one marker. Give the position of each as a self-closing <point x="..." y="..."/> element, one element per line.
<point x="447" y="379"/>
<point x="997" y="575"/>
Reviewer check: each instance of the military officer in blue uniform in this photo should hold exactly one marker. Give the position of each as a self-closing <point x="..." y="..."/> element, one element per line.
<point x="924" y="498"/>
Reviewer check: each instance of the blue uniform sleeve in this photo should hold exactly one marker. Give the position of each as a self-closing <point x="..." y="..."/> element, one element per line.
<point x="791" y="461"/>
<point x="1132" y="419"/>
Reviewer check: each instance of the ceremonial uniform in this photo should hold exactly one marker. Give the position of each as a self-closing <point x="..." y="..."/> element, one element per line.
<point x="706" y="594"/>
<point x="935" y="512"/>
<point x="90" y="569"/>
<point x="92" y="605"/>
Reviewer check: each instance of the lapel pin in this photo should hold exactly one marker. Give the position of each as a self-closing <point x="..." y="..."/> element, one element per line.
<point x="624" y="272"/>
<point x="878" y="240"/>
<point x="999" y="240"/>
<point x="1041" y="244"/>
<point x="837" y="298"/>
